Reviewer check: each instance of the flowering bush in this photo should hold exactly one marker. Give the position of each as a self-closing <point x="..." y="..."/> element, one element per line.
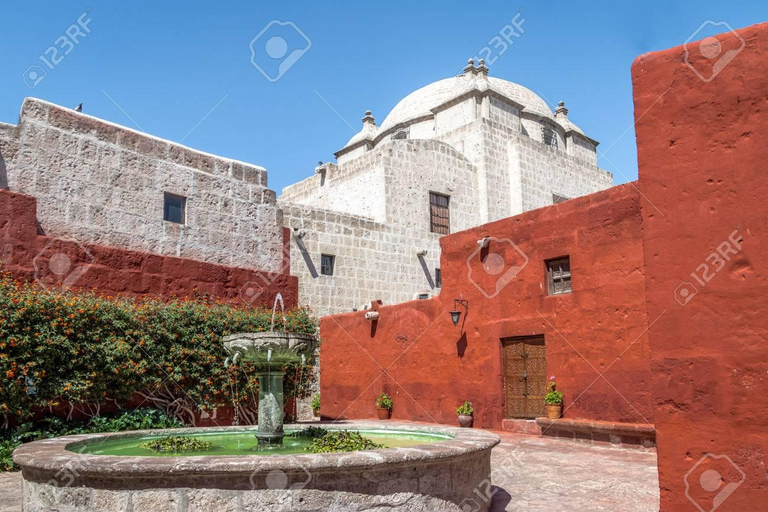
<point x="79" y="350"/>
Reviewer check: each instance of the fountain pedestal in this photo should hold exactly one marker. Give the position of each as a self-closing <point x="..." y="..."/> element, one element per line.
<point x="270" y="407"/>
<point x="270" y="350"/>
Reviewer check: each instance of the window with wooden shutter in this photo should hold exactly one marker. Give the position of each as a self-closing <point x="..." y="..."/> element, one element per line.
<point x="559" y="276"/>
<point x="439" y="214"/>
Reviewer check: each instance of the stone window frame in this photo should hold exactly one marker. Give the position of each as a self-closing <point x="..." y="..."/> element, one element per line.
<point x="439" y="214"/>
<point x="327" y="264"/>
<point x="559" y="276"/>
<point x="166" y="208"/>
<point x="549" y="136"/>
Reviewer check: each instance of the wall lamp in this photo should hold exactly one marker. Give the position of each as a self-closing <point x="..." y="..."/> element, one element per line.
<point x="456" y="314"/>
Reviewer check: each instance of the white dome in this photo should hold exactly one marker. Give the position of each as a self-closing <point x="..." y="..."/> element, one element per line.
<point x="421" y="102"/>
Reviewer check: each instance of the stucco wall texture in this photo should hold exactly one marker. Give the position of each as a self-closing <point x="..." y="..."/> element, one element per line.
<point x="595" y="337"/>
<point x="701" y="151"/>
<point x="60" y="263"/>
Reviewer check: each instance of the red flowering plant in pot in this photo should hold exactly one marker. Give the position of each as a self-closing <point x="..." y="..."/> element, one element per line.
<point x="384" y="406"/>
<point x="553" y="401"/>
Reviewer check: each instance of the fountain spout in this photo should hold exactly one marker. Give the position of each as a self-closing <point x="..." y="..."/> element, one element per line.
<point x="269" y="355"/>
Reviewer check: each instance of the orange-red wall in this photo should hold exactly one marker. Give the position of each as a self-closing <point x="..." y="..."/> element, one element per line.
<point x="118" y="271"/>
<point x="595" y="337"/>
<point x="702" y="153"/>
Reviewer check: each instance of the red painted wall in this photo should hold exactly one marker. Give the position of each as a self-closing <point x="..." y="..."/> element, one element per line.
<point x="595" y="337"/>
<point x="118" y="271"/>
<point x="702" y="150"/>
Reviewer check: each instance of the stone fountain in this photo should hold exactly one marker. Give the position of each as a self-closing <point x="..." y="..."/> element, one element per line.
<point x="270" y="351"/>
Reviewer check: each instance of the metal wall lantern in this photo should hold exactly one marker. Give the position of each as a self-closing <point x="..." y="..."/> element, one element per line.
<point x="456" y="314"/>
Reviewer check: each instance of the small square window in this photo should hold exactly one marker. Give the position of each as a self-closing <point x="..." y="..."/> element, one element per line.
<point x="175" y="209"/>
<point x="438" y="278"/>
<point x="327" y="262"/>
<point x="559" y="276"/>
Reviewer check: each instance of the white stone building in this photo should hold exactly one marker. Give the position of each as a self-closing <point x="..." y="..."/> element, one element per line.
<point x="482" y="147"/>
<point x="455" y="154"/>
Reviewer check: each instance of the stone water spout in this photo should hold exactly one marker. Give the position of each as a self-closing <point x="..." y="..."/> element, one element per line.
<point x="268" y="350"/>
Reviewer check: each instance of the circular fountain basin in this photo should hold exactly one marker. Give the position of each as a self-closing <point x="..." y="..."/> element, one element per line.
<point x="425" y="467"/>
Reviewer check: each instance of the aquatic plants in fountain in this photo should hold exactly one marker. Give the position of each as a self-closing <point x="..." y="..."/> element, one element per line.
<point x="270" y="351"/>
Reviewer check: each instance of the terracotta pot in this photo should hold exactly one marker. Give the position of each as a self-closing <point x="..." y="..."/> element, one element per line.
<point x="554" y="411"/>
<point x="465" y="420"/>
<point x="316" y="412"/>
<point x="383" y="413"/>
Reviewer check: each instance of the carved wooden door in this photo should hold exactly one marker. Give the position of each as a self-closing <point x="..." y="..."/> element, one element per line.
<point x="525" y="376"/>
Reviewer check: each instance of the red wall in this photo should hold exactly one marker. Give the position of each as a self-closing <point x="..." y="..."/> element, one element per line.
<point x="118" y="271"/>
<point x="429" y="366"/>
<point x="702" y="151"/>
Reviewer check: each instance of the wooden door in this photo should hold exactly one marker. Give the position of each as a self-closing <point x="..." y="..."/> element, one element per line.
<point x="525" y="376"/>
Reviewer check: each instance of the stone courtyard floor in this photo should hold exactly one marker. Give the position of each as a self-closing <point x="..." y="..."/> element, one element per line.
<point x="533" y="474"/>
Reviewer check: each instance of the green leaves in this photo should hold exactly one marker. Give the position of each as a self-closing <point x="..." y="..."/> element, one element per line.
<point x="384" y="401"/>
<point x="177" y="444"/>
<point x="83" y="349"/>
<point x="553" y="397"/>
<point x="465" y="409"/>
<point x="341" y="441"/>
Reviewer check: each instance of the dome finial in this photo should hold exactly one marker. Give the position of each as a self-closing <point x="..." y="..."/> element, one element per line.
<point x="561" y="110"/>
<point x="482" y="68"/>
<point x="470" y="67"/>
<point x="368" y="118"/>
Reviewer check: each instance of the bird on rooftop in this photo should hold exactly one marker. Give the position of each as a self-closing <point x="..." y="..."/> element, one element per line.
<point x="79" y="108"/>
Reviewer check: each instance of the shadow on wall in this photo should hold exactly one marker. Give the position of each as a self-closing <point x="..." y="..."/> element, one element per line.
<point x="3" y="173"/>
<point x="307" y="258"/>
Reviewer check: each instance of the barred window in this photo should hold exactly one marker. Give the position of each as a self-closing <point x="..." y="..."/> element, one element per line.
<point x="559" y="276"/>
<point x="327" y="262"/>
<point x="439" y="214"/>
<point x="548" y="136"/>
<point x="557" y="198"/>
<point x="175" y="208"/>
<point x="438" y="278"/>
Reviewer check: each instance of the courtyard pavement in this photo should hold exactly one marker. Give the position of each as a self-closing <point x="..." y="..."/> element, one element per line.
<point x="532" y="474"/>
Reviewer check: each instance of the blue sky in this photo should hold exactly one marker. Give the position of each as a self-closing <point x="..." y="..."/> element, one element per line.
<point x="183" y="71"/>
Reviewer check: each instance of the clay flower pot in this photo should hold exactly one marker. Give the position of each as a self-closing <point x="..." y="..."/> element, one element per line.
<point x="554" y="411"/>
<point x="465" y="420"/>
<point x="383" y="413"/>
<point x="316" y="412"/>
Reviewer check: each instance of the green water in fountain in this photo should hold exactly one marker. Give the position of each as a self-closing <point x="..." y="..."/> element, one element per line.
<point x="244" y="443"/>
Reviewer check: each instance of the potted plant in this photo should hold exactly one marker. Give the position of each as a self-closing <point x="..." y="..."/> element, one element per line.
<point x="384" y="406"/>
<point x="316" y="404"/>
<point x="553" y="401"/>
<point x="465" y="412"/>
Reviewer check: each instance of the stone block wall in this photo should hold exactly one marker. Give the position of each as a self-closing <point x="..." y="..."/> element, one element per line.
<point x="113" y="270"/>
<point x="102" y="183"/>
<point x="375" y="259"/>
